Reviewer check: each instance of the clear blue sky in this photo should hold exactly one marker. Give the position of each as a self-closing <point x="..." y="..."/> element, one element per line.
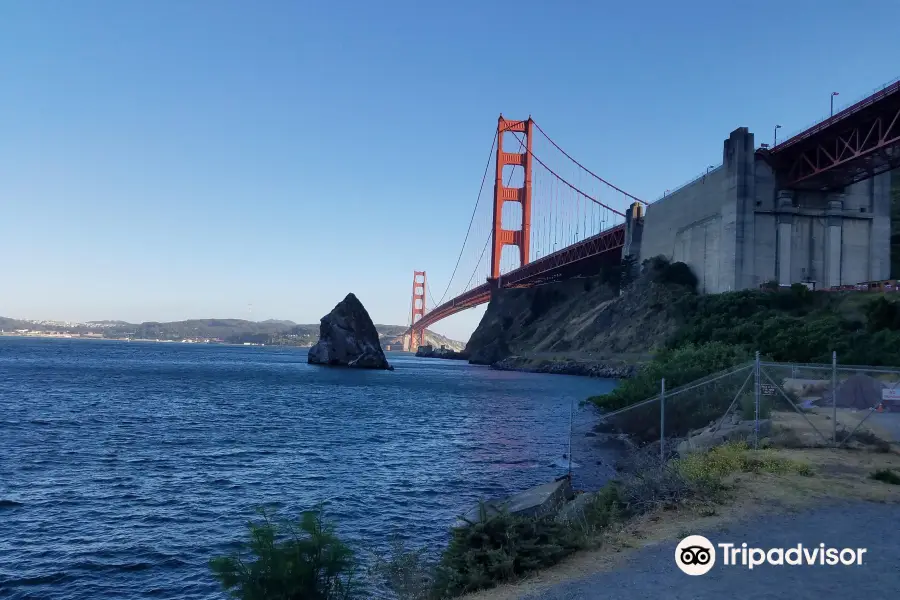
<point x="166" y="159"/>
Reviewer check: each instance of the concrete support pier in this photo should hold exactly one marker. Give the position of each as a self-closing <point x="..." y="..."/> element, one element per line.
<point x="737" y="229"/>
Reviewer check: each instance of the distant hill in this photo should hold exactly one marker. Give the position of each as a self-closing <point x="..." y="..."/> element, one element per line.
<point x="13" y="324"/>
<point x="232" y="331"/>
<point x="392" y="335"/>
<point x="278" y="322"/>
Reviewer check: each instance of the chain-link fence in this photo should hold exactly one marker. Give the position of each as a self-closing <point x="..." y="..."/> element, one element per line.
<point x="761" y="402"/>
<point x="834" y="405"/>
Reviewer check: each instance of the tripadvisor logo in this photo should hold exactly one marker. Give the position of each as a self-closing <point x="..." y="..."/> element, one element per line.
<point x="696" y="555"/>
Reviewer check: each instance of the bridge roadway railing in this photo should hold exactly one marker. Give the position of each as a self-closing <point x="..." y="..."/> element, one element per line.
<point x="474" y="297"/>
<point x="606" y="241"/>
<point x="880" y="93"/>
<point x="693" y="180"/>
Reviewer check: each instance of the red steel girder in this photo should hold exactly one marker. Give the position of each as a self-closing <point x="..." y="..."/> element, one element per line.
<point x="854" y="144"/>
<point x="470" y="299"/>
<point x="845" y="114"/>
<point x="606" y="241"/>
<point x="879" y="132"/>
<point x="611" y="240"/>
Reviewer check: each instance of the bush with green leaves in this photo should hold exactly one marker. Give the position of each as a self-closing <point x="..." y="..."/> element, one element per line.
<point x="719" y="331"/>
<point x="289" y="561"/>
<point x="886" y="476"/>
<point x="672" y="273"/>
<point x="407" y="572"/>
<point x="794" y="325"/>
<point x="647" y="482"/>
<point x="735" y="457"/>
<point x="606" y="507"/>
<point x="689" y="410"/>
<point x="678" y="365"/>
<point x="748" y="406"/>
<point x="499" y="548"/>
<point x="883" y="314"/>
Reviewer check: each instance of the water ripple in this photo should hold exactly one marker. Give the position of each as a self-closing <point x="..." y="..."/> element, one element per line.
<point x="125" y="467"/>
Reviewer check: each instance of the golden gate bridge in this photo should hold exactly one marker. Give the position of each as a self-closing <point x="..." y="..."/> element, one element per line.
<point x="550" y="216"/>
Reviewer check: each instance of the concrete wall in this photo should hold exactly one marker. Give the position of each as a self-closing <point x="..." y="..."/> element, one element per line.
<point x="838" y="238"/>
<point x="737" y="230"/>
<point x="707" y="223"/>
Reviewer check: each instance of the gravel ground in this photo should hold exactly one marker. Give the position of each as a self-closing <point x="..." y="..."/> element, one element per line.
<point x="889" y="422"/>
<point x="651" y="572"/>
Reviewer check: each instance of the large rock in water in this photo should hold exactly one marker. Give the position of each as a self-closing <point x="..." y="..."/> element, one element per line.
<point x="348" y="337"/>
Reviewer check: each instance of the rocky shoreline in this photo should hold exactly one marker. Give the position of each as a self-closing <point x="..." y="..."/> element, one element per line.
<point x="605" y="370"/>
<point x="442" y="352"/>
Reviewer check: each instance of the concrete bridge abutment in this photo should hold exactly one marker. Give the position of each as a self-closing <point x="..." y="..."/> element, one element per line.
<point x="737" y="229"/>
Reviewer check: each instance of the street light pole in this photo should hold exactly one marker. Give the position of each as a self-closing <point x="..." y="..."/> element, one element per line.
<point x="777" y="127"/>
<point x="833" y="94"/>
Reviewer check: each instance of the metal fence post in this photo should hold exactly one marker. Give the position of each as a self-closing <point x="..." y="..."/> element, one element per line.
<point x="662" y="420"/>
<point x="571" y="430"/>
<point x="756" y="402"/>
<point x="834" y="398"/>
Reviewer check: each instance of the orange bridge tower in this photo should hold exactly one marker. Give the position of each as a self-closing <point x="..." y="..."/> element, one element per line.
<point x="417" y="336"/>
<point x="502" y="194"/>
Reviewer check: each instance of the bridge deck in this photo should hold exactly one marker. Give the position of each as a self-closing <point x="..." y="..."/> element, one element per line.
<point x="856" y="143"/>
<point x="583" y="257"/>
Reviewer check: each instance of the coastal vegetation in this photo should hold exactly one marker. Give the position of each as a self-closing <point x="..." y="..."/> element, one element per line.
<point x="796" y="325"/>
<point x="886" y="476"/>
<point x="290" y="561"/>
<point x="718" y="331"/>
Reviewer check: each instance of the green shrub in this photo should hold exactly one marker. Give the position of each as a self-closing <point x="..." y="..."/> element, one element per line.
<point x="666" y="272"/>
<point x="606" y="507"/>
<point x="748" y="406"/>
<point x="289" y="561"/>
<point x="688" y="410"/>
<point x="882" y="314"/>
<point x="887" y="476"/>
<point x="679" y="366"/>
<point x="795" y="325"/>
<point x="648" y="483"/>
<point x="408" y="573"/>
<point x="735" y="457"/>
<point x="677" y="273"/>
<point x="499" y="548"/>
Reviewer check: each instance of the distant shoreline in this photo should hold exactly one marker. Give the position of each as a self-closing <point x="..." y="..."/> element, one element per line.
<point x="75" y="336"/>
<point x="71" y="336"/>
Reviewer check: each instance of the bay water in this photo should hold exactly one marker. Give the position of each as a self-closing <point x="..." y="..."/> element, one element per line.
<point x="125" y="466"/>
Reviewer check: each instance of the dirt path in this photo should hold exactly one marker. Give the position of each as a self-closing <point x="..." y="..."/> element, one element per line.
<point x="651" y="571"/>
<point x="840" y="506"/>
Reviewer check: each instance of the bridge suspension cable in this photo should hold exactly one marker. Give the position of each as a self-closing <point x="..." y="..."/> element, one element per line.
<point x="558" y="176"/>
<point x="487" y="242"/>
<point x="569" y="204"/>
<point x="430" y="297"/>
<point x="597" y="177"/>
<point x="487" y="167"/>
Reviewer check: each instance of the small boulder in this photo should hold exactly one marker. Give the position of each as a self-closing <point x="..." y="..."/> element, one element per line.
<point x="347" y="337"/>
<point x="727" y="431"/>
